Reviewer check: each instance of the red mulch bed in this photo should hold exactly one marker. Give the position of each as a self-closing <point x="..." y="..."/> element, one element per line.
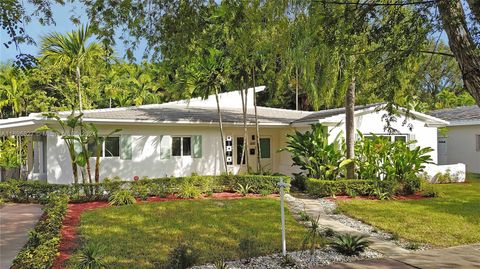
<point x="69" y="242"/>
<point x="416" y="196"/>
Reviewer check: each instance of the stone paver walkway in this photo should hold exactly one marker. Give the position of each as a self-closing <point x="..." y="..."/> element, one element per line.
<point x="15" y="222"/>
<point x="314" y="209"/>
<point x="464" y="257"/>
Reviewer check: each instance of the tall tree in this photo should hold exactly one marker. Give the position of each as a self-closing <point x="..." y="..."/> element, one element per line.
<point x="73" y="51"/>
<point x="461" y="41"/>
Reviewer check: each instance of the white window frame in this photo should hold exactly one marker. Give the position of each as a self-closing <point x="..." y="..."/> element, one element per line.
<point x="181" y="146"/>
<point x="477" y="142"/>
<point x="391" y="136"/>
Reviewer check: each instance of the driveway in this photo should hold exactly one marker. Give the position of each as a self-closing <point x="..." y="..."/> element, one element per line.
<point x="15" y="222"/>
<point x="464" y="257"/>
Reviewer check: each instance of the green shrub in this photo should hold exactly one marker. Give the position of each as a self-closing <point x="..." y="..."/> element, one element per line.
<point x="42" y="245"/>
<point x="264" y="193"/>
<point x="183" y="256"/>
<point x="447" y="177"/>
<point x="140" y="191"/>
<point x="350" y="244"/>
<point x="249" y="248"/>
<point x="90" y="256"/>
<point x="21" y="191"/>
<point x="298" y="181"/>
<point x="323" y="188"/>
<point x="189" y="190"/>
<point x="122" y="197"/>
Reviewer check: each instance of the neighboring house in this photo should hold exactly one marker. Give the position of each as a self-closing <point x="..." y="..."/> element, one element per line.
<point x="181" y="138"/>
<point x="460" y="141"/>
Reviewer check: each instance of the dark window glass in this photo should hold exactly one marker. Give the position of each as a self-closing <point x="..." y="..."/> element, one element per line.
<point x="239" y="150"/>
<point x="187" y="146"/>
<point x="92" y="149"/>
<point x="112" y="147"/>
<point x="265" y="148"/>
<point x="400" y="138"/>
<point x="176" y="146"/>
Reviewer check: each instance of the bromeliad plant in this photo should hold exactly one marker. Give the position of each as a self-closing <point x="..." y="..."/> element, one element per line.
<point x="312" y="152"/>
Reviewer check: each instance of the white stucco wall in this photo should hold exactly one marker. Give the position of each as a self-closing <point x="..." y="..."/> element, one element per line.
<point x="373" y="123"/>
<point x="461" y="147"/>
<point x="146" y="159"/>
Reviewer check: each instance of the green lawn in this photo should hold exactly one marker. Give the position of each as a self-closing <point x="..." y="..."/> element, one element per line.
<point x="452" y="219"/>
<point x="141" y="236"/>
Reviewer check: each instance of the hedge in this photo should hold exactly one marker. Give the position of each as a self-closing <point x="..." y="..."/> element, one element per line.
<point x="36" y="191"/>
<point x="323" y="188"/>
<point x="42" y="245"/>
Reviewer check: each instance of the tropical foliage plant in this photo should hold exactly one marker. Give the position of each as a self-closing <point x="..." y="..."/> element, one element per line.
<point x="315" y="155"/>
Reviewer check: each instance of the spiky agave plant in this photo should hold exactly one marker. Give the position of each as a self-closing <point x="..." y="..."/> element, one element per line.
<point x="244" y="190"/>
<point x="349" y="244"/>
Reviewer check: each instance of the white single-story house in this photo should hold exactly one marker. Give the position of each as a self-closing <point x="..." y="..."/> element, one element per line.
<point x="181" y="138"/>
<point x="460" y="141"/>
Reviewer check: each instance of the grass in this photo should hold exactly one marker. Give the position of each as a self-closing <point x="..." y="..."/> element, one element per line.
<point x="452" y="219"/>
<point x="142" y="235"/>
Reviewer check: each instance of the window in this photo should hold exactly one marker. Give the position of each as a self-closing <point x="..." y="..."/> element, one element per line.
<point x="265" y="148"/>
<point x="110" y="147"/>
<point x="181" y="146"/>
<point x="392" y="138"/>
<point x="240" y="150"/>
<point x="478" y="142"/>
<point x="402" y="138"/>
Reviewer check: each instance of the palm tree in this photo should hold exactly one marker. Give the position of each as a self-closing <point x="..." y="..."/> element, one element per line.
<point x="144" y="86"/>
<point x="73" y="51"/>
<point x="14" y="87"/>
<point x="208" y="74"/>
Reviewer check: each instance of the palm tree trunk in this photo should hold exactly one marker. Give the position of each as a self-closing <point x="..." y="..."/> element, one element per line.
<point x="257" y="129"/>
<point x="296" y="88"/>
<point x="245" y="130"/>
<point x="80" y="103"/>
<point x="350" y="127"/>
<point x="222" y="136"/>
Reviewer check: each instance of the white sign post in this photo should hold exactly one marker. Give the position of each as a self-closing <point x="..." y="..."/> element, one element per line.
<point x="283" y="185"/>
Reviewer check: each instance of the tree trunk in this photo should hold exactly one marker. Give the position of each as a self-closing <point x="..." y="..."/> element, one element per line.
<point x="80" y="103"/>
<point x="220" y="125"/>
<point x="350" y="127"/>
<point x="97" y="162"/>
<point x="461" y="44"/>
<point x="257" y="129"/>
<point x="245" y="129"/>
<point x="296" y="88"/>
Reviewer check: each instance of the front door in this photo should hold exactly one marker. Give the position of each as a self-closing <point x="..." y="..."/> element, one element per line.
<point x="442" y="150"/>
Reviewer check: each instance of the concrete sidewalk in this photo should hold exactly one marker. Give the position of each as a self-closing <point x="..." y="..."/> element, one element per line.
<point x="16" y="220"/>
<point x="455" y="257"/>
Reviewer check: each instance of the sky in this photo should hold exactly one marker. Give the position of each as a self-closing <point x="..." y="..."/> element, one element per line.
<point x="61" y="15"/>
